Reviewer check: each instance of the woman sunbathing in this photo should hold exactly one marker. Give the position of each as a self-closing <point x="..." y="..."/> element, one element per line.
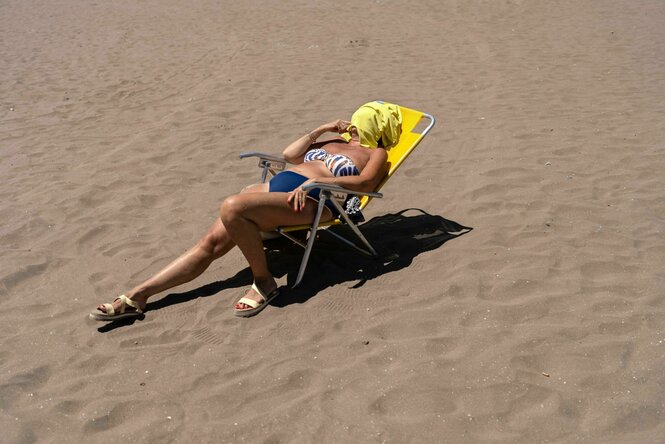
<point x="352" y="162"/>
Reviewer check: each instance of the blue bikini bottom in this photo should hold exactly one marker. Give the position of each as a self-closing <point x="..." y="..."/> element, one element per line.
<point x="287" y="181"/>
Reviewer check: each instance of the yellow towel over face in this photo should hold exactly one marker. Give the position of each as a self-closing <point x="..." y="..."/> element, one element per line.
<point x="376" y="122"/>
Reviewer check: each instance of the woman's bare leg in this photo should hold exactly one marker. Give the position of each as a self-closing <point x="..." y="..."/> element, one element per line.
<point x="244" y="216"/>
<point x="213" y="245"/>
<point x="248" y="214"/>
<point x="185" y="268"/>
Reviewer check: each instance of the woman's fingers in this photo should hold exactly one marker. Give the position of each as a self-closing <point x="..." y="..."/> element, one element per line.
<point x="291" y="200"/>
<point x="338" y="125"/>
<point x="297" y="198"/>
<point x="342" y="126"/>
<point x="301" y="200"/>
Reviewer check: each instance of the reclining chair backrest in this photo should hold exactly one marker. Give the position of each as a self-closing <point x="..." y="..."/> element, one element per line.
<point x="407" y="143"/>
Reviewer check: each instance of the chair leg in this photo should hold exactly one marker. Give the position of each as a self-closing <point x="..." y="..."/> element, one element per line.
<point x="354" y="228"/>
<point x="291" y="238"/>
<point x="310" y="241"/>
<point x="350" y="243"/>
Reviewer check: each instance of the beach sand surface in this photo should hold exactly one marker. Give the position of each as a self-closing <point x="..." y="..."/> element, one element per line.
<point x="121" y="124"/>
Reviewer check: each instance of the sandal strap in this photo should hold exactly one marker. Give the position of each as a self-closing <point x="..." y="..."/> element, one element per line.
<point x="124" y="300"/>
<point x="250" y="302"/>
<point x="258" y="290"/>
<point x="110" y="311"/>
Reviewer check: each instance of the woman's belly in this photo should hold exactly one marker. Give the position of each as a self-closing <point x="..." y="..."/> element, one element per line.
<point x="312" y="169"/>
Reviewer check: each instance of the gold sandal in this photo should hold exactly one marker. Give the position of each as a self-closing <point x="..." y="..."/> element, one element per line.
<point x="256" y="306"/>
<point x="111" y="314"/>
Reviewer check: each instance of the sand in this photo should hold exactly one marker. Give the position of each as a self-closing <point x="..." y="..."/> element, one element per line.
<point x="121" y="123"/>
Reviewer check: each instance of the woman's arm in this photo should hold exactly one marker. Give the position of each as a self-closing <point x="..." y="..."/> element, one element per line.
<point x="374" y="171"/>
<point x="369" y="178"/>
<point x="295" y="152"/>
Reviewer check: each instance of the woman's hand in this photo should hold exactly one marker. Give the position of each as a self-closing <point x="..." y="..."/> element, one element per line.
<point x="298" y="197"/>
<point x="296" y="150"/>
<point x="338" y="126"/>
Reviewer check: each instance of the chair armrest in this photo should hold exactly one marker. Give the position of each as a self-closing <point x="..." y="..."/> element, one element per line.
<point x="266" y="156"/>
<point x="338" y="189"/>
<point x="268" y="163"/>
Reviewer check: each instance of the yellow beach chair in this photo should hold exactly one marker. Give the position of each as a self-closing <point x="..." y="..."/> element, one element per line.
<point x="408" y="141"/>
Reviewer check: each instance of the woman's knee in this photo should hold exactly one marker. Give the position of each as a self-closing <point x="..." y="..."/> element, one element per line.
<point x="206" y="244"/>
<point x="214" y="240"/>
<point x="231" y="208"/>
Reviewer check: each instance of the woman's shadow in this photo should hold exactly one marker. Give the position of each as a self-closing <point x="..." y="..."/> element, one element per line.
<point x="397" y="238"/>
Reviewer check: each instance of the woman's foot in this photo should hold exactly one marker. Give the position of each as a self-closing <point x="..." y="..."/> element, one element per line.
<point x="256" y="298"/>
<point x="122" y="307"/>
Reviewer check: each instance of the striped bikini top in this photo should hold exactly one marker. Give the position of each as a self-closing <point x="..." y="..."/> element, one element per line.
<point x="338" y="164"/>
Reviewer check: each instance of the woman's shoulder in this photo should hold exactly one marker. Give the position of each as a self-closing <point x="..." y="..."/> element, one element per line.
<point x="379" y="153"/>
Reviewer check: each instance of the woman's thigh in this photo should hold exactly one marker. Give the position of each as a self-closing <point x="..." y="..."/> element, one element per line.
<point x="271" y="210"/>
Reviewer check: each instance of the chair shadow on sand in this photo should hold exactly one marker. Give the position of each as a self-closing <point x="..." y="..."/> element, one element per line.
<point x="397" y="238"/>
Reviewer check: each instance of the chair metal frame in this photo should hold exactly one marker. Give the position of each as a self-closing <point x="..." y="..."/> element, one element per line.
<point x="274" y="164"/>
